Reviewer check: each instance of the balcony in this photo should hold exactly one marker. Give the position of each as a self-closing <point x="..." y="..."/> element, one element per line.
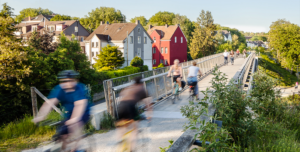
<point x="18" y="33"/>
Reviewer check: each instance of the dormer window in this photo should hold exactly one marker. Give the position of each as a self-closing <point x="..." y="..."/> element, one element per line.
<point x="34" y="28"/>
<point x="58" y="28"/>
<point x="139" y="30"/>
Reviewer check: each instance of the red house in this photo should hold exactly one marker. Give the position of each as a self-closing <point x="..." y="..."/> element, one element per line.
<point x="169" y="44"/>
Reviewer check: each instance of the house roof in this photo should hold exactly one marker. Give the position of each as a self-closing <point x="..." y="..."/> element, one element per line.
<point x="26" y="24"/>
<point x="165" y="33"/>
<point x="248" y="37"/>
<point x="38" y="18"/>
<point x="115" y="31"/>
<point x="103" y="37"/>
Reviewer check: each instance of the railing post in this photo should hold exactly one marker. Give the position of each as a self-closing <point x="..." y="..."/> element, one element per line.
<point x="109" y="104"/>
<point x="155" y="86"/>
<point x="34" y="102"/>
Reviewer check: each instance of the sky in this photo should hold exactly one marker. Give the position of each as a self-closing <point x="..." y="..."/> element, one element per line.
<point x="245" y="15"/>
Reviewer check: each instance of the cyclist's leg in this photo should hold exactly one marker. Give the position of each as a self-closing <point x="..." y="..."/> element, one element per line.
<point x="178" y="80"/>
<point x="196" y="91"/>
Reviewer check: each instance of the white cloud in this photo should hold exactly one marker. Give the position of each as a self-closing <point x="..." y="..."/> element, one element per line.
<point x="249" y="28"/>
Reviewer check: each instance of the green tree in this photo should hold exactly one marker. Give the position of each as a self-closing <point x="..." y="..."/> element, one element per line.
<point x="137" y="62"/>
<point x="235" y="41"/>
<point x="162" y="18"/>
<point x="225" y="46"/>
<point x="34" y="41"/>
<point x="142" y="20"/>
<point x="259" y="38"/>
<point x="32" y="12"/>
<point x="242" y="47"/>
<point x="110" y="56"/>
<point x="203" y="41"/>
<point x="186" y="25"/>
<point x="110" y="14"/>
<point x="59" y="17"/>
<point x="43" y="42"/>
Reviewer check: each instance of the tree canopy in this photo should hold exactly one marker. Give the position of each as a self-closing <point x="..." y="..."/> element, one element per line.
<point x="233" y="31"/>
<point x="162" y="18"/>
<point x="110" y="14"/>
<point x="259" y="38"/>
<point x="26" y="12"/>
<point x="186" y="25"/>
<point x="59" y="17"/>
<point x="110" y="56"/>
<point x="142" y="19"/>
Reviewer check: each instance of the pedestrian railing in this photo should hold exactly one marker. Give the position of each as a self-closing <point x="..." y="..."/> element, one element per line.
<point x="158" y="84"/>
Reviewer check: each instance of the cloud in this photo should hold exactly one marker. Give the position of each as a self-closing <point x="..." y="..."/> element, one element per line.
<point x="249" y="28"/>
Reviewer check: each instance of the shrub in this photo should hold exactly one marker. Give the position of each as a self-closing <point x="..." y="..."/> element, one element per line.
<point x="143" y="68"/>
<point x="107" y="121"/>
<point x="122" y="72"/>
<point x="110" y="56"/>
<point x="105" y="69"/>
<point x="136" y="62"/>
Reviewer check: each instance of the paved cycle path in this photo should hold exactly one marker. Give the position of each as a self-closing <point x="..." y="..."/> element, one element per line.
<point x="166" y="124"/>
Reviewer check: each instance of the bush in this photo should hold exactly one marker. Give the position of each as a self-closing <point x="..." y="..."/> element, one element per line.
<point x="136" y="62"/>
<point x="122" y="72"/>
<point x="105" y="69"/>
<point x="161" y="65"/>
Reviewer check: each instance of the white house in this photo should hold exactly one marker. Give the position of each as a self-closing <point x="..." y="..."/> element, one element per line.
<point x="226" y="34"/>
<point x="139" y="44"/>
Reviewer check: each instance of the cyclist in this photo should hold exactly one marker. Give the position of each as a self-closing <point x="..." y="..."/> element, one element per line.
<point x="74" y="99"/>
<point x="225" y="54"/>
<point x="232" y="57"/>
<point x="127" y="111"/>
<point x="244" y="53"/>
<point x="237" y="52"/>
<point x="177" y="73"/>
<point x="192" y="78"/>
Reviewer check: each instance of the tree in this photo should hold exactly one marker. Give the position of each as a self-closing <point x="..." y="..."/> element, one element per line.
<point x="110" y="56"/>
<point x="61" y="18"/>
<point x="110" y="14"/>
<point x="259" y="38"/>
<point x="142" y="20"/>
<point x="137" y="62"/>
<point x="225" y="46"/>
<point x="235" y="41"/>
<point x="43" y="42"/>
<point x="233" y="31"/>
<point x="32" y="12"/>
<point x="162" y="18"/>
<point x="203" y="41"/>
<point x="186" y="25"/>
<point x="242" y="47"/>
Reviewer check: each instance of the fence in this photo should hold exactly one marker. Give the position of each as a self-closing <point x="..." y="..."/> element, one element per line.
<point x="157" y="83"/>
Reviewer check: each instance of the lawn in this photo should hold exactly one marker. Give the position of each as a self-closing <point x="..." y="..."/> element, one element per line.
<point x="286" y="79"/>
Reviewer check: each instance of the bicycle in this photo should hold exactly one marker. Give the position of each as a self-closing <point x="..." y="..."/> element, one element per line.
<point x="176" y="91"/>
<point x="56" y="138"/>
<point x="125" y="144"/>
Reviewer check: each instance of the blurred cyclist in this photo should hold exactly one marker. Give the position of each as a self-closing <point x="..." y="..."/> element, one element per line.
<point x="127" y="110"/>
<point x="244" y="53"/>
<point x="237" y="52"/>
<point x="177" y="73"/>
<point x="192" y="77"/>
<point x="225" y="54"/>
<point x="74" y="99"/>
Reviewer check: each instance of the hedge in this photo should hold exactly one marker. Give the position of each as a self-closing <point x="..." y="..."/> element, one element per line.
<point x="124" y="71"/>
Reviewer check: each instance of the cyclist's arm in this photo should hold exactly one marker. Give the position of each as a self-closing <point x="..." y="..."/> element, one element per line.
<point x="45" y="109"/>
<point x="78" y="111"/>
<point x="200" y="72"/>
<point x="180" y="71"/>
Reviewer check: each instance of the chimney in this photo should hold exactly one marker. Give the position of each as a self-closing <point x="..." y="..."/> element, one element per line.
<point x="166" y="26"/>
<point x="29" y="19"/>
<point x="101" y="22"/>
<point x="150" y="26"/>
<point x="107" y="22"/>
<point x="137" y="22"/>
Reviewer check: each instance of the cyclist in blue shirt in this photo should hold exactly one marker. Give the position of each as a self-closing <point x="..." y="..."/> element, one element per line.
<point x="74" y="99"/>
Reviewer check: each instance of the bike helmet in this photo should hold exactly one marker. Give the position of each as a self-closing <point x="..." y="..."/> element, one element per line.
<point x="68" y="74"/>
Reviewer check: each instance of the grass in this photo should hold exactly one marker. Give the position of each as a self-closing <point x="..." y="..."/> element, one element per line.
<point x="286" y="79"/>
<point x="23" y="134"/>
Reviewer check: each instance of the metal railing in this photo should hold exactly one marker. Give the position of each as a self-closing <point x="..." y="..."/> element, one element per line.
<point x="158" y="85"/>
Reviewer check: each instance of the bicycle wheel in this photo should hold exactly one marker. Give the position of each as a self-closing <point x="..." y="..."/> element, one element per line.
<point x="173" y="99"/>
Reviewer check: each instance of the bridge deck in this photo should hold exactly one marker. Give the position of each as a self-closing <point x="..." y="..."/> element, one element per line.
<point x="167" y="122"/>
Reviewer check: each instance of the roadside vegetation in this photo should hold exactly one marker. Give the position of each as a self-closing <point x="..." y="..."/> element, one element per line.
<point x="276" y="71"/>
<point x="263" y="122"/>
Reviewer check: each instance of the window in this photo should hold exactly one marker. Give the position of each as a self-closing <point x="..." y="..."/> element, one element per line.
<point x="166" y="50"/>
<point x="139" y="52"/>
<point x="34" y="28"/>
<point x="162" y="50"/>
<point x="82" y="39"/>
<point x="97" y="53"/>
<point x="51" y="28"/>
<point x="92" y="44"/>
<point x="175" y="39"/>
<point x="166" y="62"/>
<point x="139" y="39"/>
<point x="145" y="40"/>
<point x="154" y="39"/>
<point x="161" y="60"/>
<point x="76" y="28"/>
<point x="131" y="39"/>
<point x="154" y="62"/>
<point x="96" y="44"/>
<point x="93" y="54"/>
<point x="139" y="29"/>
<point x="154" y="50"/>
<point x="181" y="39"/>
<point x="58" y="28"/>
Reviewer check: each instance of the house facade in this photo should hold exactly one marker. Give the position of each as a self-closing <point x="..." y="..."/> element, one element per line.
<point x="253" y="44"/>
<point x="226" y="35"/>
<point x="169" y="43"/>
<point x="68" y="27"/>
<point x="131" y="38"/>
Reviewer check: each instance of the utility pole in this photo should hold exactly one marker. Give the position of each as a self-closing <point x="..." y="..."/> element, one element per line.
<point x="127" y="48"/>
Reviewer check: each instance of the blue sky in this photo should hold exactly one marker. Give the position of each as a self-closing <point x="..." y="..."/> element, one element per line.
<point x="246" y="15"/>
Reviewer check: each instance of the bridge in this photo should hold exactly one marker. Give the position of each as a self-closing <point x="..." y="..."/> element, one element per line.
<point x="167" y="121"/>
